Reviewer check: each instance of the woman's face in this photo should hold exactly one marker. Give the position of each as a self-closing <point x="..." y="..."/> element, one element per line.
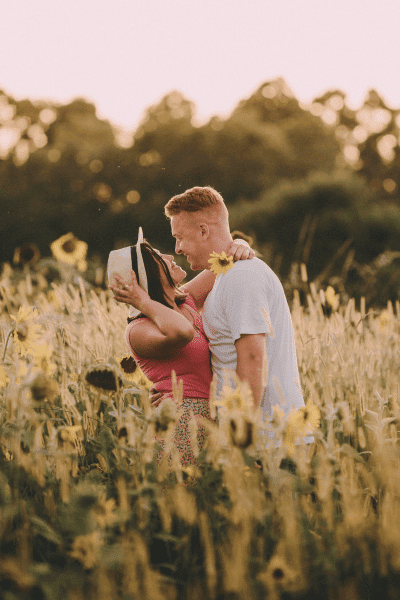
<point x="176" y="272"/>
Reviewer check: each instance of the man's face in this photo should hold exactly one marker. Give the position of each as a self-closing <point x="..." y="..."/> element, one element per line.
<point x="190" y="241"/>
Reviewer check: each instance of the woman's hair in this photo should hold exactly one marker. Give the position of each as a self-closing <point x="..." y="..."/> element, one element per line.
<point x="153" y="262"/>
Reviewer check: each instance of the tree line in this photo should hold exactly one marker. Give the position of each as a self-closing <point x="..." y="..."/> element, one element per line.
<point x="315" y="184"/>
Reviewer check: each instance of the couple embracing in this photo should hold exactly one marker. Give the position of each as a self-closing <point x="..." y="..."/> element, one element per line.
<point x="237" y="322"/>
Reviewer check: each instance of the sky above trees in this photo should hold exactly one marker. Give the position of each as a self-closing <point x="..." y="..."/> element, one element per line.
<point x="124" y="55"/>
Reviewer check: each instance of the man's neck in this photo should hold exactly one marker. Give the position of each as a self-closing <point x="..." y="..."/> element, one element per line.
<point x="220" y="245"/>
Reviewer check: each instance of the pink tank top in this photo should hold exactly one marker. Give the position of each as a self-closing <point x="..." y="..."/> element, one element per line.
<point x="192" y="363"/>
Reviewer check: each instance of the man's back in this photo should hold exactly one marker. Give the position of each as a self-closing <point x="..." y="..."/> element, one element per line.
<point x="249" y="299"/>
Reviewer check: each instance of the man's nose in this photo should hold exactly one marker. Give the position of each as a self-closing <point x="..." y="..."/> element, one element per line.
<point x="177" y="248"/>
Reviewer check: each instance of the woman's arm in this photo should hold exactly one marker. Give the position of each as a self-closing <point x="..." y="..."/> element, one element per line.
<point x="168" y="331"/>
<point x="201" y="285"/>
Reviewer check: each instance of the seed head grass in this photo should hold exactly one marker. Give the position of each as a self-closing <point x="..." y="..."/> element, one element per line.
<point x="259" y="514"/>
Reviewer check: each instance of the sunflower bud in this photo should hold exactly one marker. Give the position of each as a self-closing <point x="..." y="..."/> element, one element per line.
<point x="43" y="388"/>
<point x="166" y="413"/>
<point x="104" y="376"/>
<point x="28" y="254"/>
<point x="241" y="432"/>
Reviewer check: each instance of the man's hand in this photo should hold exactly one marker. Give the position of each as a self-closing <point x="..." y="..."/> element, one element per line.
<point x="240" y="250"/>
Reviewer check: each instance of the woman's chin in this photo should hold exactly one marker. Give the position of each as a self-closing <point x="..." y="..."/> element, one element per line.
<point x="178" y="277"/>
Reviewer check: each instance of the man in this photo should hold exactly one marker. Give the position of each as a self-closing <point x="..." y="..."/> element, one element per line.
<point x="246" y="315"/>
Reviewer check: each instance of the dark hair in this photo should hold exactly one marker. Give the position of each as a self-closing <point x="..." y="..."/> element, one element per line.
<point x="153" y="262"/>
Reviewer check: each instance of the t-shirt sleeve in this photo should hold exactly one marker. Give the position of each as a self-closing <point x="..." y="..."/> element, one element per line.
<point x="246" y="303"/>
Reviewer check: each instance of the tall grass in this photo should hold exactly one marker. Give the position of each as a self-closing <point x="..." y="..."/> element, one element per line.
<point x="87" y="510"/>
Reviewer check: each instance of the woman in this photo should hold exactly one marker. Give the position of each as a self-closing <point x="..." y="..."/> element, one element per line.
<point x="165" y="330"/>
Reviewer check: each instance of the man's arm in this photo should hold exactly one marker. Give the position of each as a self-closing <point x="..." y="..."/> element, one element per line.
<point x="251" y="363"/>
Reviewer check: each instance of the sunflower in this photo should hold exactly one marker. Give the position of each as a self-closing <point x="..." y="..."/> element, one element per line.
<point x="220" y="263"/>
<point x="104" y="376"/>
<point x="43" y="388"/>
<point x="3" y="377"/>
<point x="305" y="419"/>
<point x="27" y="330"/>
<point x="132" y="372"/>
<point x="279" y="574"/>
<point x="69" y="249"/>
<point x="239" y="399"/>
<point x="28" y="254"/>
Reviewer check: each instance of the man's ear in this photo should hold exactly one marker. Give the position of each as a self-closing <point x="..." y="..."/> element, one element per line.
<point x="204" y="230"/>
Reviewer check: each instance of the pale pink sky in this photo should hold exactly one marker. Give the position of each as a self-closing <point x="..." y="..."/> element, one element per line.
<point x="124" y="55"/>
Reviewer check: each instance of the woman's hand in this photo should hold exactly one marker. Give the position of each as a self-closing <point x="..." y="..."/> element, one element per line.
<point x="240" y="250"/>
<point x="131" y="294"/>
<point x="156" y="398"/>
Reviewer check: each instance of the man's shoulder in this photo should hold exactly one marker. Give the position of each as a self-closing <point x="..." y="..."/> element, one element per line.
<point x="248" y="270"/>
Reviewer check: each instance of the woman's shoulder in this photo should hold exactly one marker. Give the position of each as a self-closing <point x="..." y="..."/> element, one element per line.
<point x="137" y="324"/>
<point x="189" y="299"/>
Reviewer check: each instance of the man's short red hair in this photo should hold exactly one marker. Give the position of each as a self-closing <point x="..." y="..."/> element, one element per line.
<point x="195" y="199"/>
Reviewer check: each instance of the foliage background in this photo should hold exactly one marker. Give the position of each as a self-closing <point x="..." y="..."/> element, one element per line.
<point x="303" y="181"/>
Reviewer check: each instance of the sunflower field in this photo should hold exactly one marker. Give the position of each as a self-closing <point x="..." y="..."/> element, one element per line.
<point x="89" y="510"/>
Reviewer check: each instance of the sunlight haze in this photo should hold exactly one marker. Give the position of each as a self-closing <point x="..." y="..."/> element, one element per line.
<point x="124" y="55"/>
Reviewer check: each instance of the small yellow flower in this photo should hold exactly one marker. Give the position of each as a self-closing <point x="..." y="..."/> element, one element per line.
<point x="220" y="263"/>
<point x="27" y="330"/>
<point x="331" y="298"/>
<point x="69" y="249"/>
<point x="305" y="419"/>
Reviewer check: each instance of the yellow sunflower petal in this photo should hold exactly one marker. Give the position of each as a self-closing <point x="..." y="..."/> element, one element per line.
<point x="220" y="263"/>
<point x="69" y="249"/>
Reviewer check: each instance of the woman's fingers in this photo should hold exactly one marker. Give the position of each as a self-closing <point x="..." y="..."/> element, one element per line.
<point x="243" y="253"/>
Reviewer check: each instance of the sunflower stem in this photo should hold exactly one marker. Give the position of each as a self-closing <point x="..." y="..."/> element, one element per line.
<point x="6" y="344"/>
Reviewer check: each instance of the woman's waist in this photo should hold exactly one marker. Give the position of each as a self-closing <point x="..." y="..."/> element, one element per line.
<point x="192" y="385"/>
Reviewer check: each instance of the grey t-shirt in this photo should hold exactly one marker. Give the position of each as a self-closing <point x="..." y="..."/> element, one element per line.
<point x="249" y="299"/>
